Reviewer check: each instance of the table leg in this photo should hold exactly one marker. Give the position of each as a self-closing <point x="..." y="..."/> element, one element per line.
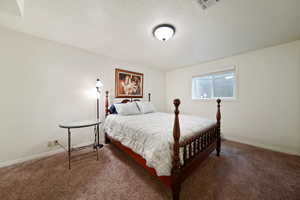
<point x="98" y="142"/>
<point x="69" y="147"/>
<point x="95" y="133"/>
<point x="97" y="148"/>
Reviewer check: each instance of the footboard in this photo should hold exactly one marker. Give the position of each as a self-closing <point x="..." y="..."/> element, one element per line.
<point x="196" y="149"/>
<point x="191" y="148"/>
<point x="189" y="153"/>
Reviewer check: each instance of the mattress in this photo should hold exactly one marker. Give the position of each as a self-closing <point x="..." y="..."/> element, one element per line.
<point x="151" y="135"/>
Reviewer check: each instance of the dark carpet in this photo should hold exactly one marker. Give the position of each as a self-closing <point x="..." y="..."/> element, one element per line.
<point x="242" y="172"/>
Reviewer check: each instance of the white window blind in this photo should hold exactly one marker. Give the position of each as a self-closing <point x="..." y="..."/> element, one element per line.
<point x="214" y="85"/>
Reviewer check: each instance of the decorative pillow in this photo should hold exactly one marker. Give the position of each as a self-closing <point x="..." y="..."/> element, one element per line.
<point x="127" y="108"/>
<point x="112" y="109"/>
<point x="146" y="107"/>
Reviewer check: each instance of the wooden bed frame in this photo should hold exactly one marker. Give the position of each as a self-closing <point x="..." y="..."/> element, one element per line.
<point x="195" y="149"/>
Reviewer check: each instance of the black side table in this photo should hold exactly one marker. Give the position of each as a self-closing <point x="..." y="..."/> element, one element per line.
<point x="82" y="124"/>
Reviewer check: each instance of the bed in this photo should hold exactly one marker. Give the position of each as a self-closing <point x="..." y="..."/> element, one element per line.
<point x="168" y="146"/>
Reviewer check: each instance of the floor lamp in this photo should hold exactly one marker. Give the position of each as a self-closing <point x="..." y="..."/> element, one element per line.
<point x="99" y="85"/>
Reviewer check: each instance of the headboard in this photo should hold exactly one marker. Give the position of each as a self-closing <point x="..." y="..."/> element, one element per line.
<point x="107" y="112"/>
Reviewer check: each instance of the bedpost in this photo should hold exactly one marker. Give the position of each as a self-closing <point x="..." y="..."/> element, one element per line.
<point x="176" y="136"/>
<point x="106" y="139"/>
<point x="149" y="97"/>
<point x="106" y="104"/>
<point x="176" y="184"/>
<point x="218" y="116"/>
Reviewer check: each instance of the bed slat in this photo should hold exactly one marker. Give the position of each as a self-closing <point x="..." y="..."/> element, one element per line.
<point x="184" y="155"/>
<point x="190" y="151"/>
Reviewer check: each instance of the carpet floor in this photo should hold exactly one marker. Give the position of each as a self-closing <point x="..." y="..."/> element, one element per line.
<point x="242" y="172"/>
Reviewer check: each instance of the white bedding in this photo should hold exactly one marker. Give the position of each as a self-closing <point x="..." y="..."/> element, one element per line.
<point x="151" y="135"/>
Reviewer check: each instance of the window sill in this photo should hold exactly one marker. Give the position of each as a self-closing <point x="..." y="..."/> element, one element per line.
<point x="215" y="99"/>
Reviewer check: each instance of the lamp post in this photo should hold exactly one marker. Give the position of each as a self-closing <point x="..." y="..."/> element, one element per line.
<point x="99" y="85"/>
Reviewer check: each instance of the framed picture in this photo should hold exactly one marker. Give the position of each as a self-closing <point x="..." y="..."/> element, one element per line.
<point x="128" y="84"/>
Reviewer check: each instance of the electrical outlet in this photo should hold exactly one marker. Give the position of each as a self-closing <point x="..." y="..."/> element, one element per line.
<point x="53" y="143"/>
<point x="50" y="144"/>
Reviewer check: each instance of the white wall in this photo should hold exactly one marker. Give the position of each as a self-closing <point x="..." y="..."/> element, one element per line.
<point x="43" y="83"/>
<point x="267" y="111"/>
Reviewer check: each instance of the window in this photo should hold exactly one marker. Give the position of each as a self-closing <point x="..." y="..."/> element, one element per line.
<point x="215" y="85"/>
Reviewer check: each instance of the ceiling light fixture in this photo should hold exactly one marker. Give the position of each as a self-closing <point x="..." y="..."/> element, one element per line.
<point x="164" y="32"/>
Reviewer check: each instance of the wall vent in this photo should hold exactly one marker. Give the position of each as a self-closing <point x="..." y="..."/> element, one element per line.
<point x="207" y="3"/>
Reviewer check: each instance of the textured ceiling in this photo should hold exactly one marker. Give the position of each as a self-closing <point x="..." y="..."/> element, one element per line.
<point x="123" y="29"/>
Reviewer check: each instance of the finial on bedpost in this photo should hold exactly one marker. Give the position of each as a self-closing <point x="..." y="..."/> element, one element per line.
<point x="106" y="104"/>
<point x="176" y="159"/>
<point x="149" y="97"/>
<point x="176" y="103"/>
<point x="218" y="116"/>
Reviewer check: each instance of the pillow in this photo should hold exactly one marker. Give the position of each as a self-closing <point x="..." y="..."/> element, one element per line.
<point x="112" y="109"/>
<point x="127" y="108"/>
<point x="146" y="107"/>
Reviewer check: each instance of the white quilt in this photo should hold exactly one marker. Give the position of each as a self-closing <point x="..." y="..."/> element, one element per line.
<point x="151" y="135"/>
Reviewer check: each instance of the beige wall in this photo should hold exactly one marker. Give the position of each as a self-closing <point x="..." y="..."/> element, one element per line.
<point x="267" y="110"/>
<point x="43" y="83"/>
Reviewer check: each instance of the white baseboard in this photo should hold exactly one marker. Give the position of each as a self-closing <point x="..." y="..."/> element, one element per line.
<point x="37" y="156"/>
<point x="56" y="151"/>
<point x="262" y="145"/>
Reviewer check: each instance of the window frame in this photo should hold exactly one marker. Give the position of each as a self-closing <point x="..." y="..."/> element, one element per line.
<point x="226" y="69"/>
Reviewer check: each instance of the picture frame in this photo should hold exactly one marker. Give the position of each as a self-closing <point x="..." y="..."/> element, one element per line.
<point x="129" y="84"/>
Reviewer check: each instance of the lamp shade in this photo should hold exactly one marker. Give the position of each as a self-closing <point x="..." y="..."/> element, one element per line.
<point x="99" y="84"/>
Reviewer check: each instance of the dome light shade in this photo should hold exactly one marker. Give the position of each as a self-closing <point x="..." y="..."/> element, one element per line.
<point x="99" y="84"/>
<point x="164" y="32"/>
